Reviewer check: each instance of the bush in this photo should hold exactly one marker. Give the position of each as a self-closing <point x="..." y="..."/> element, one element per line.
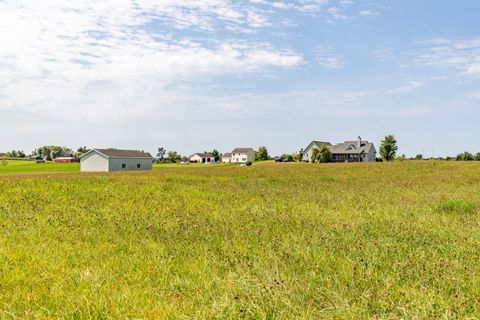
<point x="249" y="163"/>
<point x="322" y="155"/>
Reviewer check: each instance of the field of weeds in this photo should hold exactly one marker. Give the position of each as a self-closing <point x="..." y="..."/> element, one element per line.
<point x="271" y="241"/>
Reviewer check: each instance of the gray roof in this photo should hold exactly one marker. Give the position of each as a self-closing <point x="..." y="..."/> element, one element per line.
<point x="321" y="143"/>
<point x="227" y="155"/>
<point x="242" y="150"/>
<point x="351" y="147"/>
<point x="115" y="153"/>
<point x="203" y="155"/>
<point x="317" y="144"/>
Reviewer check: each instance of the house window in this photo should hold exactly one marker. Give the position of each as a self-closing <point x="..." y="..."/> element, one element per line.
<point x="124" y="165"/>
<point x="138" y="165"/>
<point x="244" y="159"/>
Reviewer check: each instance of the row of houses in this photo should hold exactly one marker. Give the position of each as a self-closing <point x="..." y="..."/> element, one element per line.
<point x="238" y="155"/>
<point x="108" y="160"/>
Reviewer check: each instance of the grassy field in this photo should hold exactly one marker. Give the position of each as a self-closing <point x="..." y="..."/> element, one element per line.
<point x="271" y="241"/>
<point x="23" y="166"/>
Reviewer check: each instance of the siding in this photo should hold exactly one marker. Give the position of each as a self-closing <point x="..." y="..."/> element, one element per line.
<point x="238" y="157"/>
<point x="94" y="162"/>
<point x="372" y="155"/>
<point x="130" y="164"/>
<point x="307" y="153"/>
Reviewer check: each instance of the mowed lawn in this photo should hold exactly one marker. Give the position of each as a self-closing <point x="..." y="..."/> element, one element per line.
<point x="26" y="166"/>
<point x="271" y="241"/>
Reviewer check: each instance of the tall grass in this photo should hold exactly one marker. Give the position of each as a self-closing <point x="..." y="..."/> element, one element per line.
<point x="272" y="241"/>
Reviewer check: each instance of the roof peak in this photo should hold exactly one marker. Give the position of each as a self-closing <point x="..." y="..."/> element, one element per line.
<point x="121" y="153"/>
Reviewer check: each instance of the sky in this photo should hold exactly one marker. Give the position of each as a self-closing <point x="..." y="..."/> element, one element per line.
<point x="197" y="75"/>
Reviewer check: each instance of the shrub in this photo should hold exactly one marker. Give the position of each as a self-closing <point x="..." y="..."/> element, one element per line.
<point x="322" y="155"/>
<point x="249" y="163"/>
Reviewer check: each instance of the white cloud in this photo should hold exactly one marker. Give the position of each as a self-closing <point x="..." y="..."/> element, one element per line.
<point x="409" y="87"/>
<point x="99" y="60"/>
<point x="461" y="54"/>
<point x="367" y="13"/>
<point x="382" y="54"/>
<point x="328" y="59"/>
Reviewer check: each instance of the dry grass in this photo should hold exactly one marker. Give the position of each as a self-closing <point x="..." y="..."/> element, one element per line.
<point x="344" y="241"/>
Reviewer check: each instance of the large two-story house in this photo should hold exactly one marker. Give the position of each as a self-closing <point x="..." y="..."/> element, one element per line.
<point x="348" y="151"/>
<point x="239" y="155"/>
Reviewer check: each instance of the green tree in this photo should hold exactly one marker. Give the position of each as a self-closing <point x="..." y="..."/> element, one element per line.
<point x="419" y="157"/>
<point x="161" y="154"/>
<point x="466" y="156"/>
<point x="16" y="154"/>
<point x="52" y="152"/>
<point x="216" y="155"/>
<point x="299" y="156"/>
<point x="262" y="154"/>
<point x="173" y="156"/>
<point x="324" y="155"/>
<point x="388" y="148"/>
<point x="314" y="157"/>
<point x="81" y="151"/>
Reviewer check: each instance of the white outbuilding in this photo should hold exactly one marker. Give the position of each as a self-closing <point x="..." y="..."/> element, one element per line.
<point x="109" y="160"/>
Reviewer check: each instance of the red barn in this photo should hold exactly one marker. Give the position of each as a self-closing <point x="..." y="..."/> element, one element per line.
<point x="66" y="160"/>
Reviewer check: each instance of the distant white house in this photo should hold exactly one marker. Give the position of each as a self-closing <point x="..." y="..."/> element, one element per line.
<point x="202" y="158"/>
<point x="227" y="157"/>
<point x="348" y="151"/>
<point x="109" y="160"/>
<point x="242" y="155"/>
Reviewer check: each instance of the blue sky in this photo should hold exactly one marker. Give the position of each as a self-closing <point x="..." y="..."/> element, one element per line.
<point x="195" y="75"/>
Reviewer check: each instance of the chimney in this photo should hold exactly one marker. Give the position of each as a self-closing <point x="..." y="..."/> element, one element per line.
<point x="359" y="142"/>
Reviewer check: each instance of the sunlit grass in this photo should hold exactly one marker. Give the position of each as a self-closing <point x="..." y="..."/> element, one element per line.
<point x="277" y="241"/>
<point x="21" y="166"/>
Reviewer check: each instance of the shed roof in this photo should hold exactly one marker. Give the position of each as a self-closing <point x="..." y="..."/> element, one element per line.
<point x="116" y="153"/>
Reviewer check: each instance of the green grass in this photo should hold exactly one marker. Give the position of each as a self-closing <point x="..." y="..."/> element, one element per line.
<point x="25" y="166"/>
<point x="271" y="241"/>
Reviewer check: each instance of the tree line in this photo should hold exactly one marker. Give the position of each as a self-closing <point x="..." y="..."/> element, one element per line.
<point x="47" y="153"/>
<point x="388" y="152"/>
